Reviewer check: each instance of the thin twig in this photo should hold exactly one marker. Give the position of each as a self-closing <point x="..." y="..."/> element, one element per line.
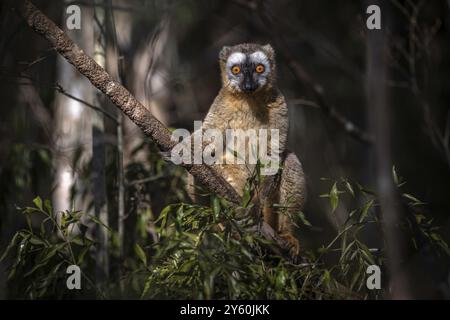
<point x="61" y="90"/>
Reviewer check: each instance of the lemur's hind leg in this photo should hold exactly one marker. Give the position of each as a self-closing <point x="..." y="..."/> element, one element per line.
<point x="292" y="198"/>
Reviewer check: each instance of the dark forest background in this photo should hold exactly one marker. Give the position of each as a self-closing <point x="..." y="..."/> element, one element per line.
<point x="349" y="124"/>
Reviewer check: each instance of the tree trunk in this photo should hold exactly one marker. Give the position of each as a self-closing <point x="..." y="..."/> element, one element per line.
<point x="98" y="150"/>
<point x="379" y="115"/>
<point x="72" y="121"/>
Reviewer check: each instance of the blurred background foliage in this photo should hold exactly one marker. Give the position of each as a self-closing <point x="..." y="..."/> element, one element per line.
<point x="167" y="52"/>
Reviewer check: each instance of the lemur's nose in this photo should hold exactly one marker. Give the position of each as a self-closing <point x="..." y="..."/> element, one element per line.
<point x="249" y="87"/>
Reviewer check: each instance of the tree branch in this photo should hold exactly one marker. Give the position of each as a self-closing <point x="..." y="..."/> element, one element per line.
<point x="119" y="96"/>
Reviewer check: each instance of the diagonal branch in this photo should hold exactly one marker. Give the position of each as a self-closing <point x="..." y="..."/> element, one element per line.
<point x="120" y="96"/>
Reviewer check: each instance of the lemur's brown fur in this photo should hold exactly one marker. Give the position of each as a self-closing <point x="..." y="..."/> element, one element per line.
<point x="264" y="108"/>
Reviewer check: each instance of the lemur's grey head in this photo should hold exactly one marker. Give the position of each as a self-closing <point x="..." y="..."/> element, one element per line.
<point x="247" y="67"/>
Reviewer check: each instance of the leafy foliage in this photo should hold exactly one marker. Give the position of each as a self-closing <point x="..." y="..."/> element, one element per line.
<point x="42" y="254"/>
<point x="209" y="252"/>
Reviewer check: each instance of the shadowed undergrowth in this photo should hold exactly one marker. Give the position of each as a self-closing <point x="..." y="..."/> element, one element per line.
<point x="208" y="252"/>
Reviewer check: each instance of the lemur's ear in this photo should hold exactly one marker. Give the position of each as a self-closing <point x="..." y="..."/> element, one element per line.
<point x="269" y="50"/>
<point x="224" y="53"/>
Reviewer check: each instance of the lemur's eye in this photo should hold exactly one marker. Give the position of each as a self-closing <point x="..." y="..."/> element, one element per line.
<point x="235" y="69"/>
<point x="259" y="68"/>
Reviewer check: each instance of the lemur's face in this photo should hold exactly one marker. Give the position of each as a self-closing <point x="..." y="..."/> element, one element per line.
<point x="247" y="72"/>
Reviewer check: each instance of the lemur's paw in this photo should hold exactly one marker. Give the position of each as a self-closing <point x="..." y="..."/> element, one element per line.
<point x="294" y="244"/>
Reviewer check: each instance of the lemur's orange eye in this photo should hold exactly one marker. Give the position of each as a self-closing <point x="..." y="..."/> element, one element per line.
<point x="259" y="68"/>
<point x="235" y="69"/>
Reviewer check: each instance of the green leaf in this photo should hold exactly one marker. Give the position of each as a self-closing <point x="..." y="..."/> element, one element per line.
<point x="35" y="268"/>
<point x="38" y="202"/>
<point x="56" y="268"/>
<point x="208" y="283"/>
<point x="365" y="252"/>
<point x="51" y="253"/>
<point x="349" y="188"/>
<point x="97" y="221"/>
<point x="246" y="197"/>
<point x="395" y="176"/>
<point x="304" y="220"/>
<point x="140" y="253"/>
<point x="323" y="250"/>
<point x="436" y="237"/>
<point x="334" y="197"/>
<point x="351" y="214"/>
<point x="29" y="210"/>
<point x="413" y="199"/>
<point x="36" y="241"/>
<point x="281" y="279"/>
<point x="365" y="210"/>
<point x="216" y="206"/>
<point x="78" y="241"/>
<point x="326" y="277"/>
<point x="10" y="246"/>
<point x="147" y="286"/>
<point x="419" y="218"/>
<point x="48" y="206"/>
<point x="163" y="215"/>
<point x="82" y="254"/>
<point x="346" y="251"/>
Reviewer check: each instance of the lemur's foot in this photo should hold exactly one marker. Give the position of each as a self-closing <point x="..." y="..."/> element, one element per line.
<point x="294" y="249"/>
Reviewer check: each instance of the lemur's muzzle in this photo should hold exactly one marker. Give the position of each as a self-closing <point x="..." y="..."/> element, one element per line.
<point x="248" y="84"/>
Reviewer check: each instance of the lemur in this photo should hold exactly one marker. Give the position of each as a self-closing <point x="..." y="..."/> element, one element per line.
<point x="249" y="99"/>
